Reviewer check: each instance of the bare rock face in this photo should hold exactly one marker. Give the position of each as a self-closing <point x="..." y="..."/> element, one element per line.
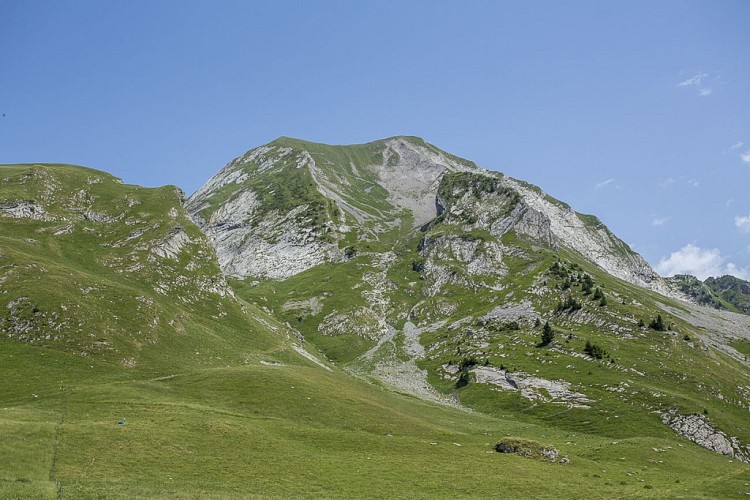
<point x="172" y="244"/>
<point x="411" y="173"/>
<point x="446" y="255"/>
<point x="319" y="195"/>
<point x="252" y="239"/>
<point x="590" y="238"/>
<point x="697" y="429"/>
<point x="531" y="387"/>
<point x="24" y="209"/>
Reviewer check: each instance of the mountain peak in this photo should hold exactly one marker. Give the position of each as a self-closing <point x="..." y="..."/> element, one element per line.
<point x="302" y="143"/>
<point x="291" y="204"/>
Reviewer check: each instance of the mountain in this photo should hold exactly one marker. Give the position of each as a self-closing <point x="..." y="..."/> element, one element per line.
<point x="350" y="321"/>
<point x="726" y="292"/>
<point x="697" y="291"/>
<point x="419" y="270"/>
<point x="290" y="205"/>
<point x="733" y="290"/>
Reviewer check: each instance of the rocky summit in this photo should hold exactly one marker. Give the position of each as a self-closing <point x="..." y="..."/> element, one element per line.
<point x="381" y="319"/>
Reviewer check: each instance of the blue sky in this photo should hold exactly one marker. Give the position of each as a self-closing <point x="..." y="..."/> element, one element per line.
<point x="637" y="112"/>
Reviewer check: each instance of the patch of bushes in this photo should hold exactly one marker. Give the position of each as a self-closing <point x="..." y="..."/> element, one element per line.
<point x="570" y="304"/>
<point x="658" y="324"/>
<point x="595" y="350"/>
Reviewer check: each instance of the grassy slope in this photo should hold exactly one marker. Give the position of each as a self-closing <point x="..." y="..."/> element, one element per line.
<point x="205" y="418"/>
<point x="666" y="368"/>
<point x="646" y="371"/>
<point x="298" y="430"/>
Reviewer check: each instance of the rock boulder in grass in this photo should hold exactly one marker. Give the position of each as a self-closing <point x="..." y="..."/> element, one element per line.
<point x="527" y="448"/>
<point x="697" y="429"/>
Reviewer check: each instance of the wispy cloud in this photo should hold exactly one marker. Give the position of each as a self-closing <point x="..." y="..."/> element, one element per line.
<point x="700" y="262"/>
<point x="745" y="156"/>
<point x="660" y="221"/>
<point x="671" y="181"/>
<point x="736" y="145"/>
<point x="602" y="184"/>
<point x="693" y="80"/>
<point x="743" y="222"/>
<point x="729" y="202"/>
<point x="705" y="83"/>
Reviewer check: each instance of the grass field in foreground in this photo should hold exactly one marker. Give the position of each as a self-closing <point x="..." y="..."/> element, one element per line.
<point x="298" y="430"/>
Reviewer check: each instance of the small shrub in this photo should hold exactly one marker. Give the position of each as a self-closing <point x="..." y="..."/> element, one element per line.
<point x="588" y="284"/>
<point x="594" y="350"/>
<point x="464" y="377"/>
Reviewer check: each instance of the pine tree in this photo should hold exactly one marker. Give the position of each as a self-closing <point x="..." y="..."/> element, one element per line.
<point x="658" y="324"/>
<point x="588" y="284"/>
<point x="548" y="334"/>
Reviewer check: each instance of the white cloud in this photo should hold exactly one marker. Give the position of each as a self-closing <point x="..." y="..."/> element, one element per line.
<point x="659" y="221"/>
<point x="600" y="185"/>
<point x="671" y="181"/>
<point x="736" y="145"/>
<point x="705" y="83"/>
<point x="745" y="156"/>
<point x="729" y="202"/>
<point x="743" y="222"/>
<point x="700" y="262"/>
<point x="694" y="80"/>
<point x="741" y="273"/>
